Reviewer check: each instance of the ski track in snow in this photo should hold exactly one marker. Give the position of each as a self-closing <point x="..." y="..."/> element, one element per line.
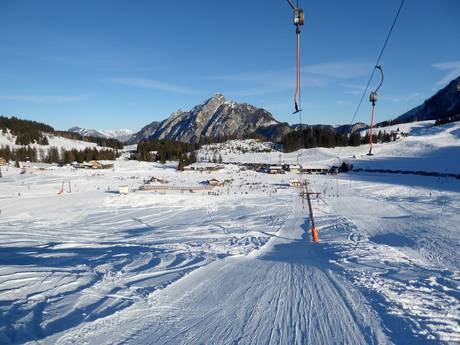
<point x="287" y="294"/>
<point x="347" y="289"/>
<point x="75" y="258"/>
<point x="93" y="267"/>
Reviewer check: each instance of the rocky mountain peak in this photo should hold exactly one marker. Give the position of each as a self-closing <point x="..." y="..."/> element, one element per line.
<point x="215" y="117"/>
<point x="217" y="97"/>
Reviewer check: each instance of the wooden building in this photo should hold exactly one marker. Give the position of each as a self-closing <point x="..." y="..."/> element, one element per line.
<point x="99" y="165"/>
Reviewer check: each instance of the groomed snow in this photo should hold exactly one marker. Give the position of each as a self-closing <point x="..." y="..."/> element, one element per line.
<point x="236" y="266"/>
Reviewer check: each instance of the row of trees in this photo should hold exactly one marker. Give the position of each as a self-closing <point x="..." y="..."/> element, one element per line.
<point x="163" y="150"/>
<point x="448" y="119"/>
<point x="54" y="155"/>
<point x="80" y="156"/>
<point x="314" y="137"/>
<point x="19" y="154"/>
<point x="381" y="137"/>
<point x="185" y="159"/>
<point x="323" y="137"/>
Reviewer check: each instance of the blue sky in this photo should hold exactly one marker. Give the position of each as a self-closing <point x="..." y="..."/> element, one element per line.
<point x="123" y="64"/>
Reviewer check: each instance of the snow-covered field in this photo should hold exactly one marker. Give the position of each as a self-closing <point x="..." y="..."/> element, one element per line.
<point x="428" y="148"/>
<point x="76" y="257"/>
<point x="237" y="266"/>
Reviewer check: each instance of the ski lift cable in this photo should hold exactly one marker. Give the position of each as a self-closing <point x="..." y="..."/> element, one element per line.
<point x="292" y="4"/>
<point x="377" y="63"/>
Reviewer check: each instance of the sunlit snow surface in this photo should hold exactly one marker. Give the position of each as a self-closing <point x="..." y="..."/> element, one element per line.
<point x="93" y="266"/>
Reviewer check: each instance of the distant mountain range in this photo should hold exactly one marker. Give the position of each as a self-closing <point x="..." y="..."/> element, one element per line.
<point x="218" y="117"/>
<point x="122" y="135"/>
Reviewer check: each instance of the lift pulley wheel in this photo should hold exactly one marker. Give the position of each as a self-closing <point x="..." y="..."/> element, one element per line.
<point x="299" y="17"/>
<point x="373" y="97"/>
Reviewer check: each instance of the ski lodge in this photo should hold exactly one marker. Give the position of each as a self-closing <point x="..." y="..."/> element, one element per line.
<point x="2" y="161"/>
<point x="154" y="179"/>
<point x="168" y="188"/>
<point x="216" y="183"/>
<point x="276" y="169"/>
<point x="203" y="167"/>
<point x="295" y="183"/>
<point x="294" y="168"/>
<point x="316" y="170"/>
<point x="94" y="164"/>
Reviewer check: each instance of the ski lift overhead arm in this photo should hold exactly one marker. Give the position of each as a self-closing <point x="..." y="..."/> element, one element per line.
<point x="379" y="67"/>
<point x="374" y="94"/>
<point x="373" y="99"/>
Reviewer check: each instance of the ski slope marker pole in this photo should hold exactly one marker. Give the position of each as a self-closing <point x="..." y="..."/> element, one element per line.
<point x="314" y="230"/>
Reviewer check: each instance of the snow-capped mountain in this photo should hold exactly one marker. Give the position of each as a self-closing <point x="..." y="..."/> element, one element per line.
<point x="216" y="117"/>
<point x="119" y="134"/>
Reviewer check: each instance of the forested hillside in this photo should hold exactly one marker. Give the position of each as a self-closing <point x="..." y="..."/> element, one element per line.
<point x="29" y="132"/>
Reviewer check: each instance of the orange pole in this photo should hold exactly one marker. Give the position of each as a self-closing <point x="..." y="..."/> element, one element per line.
<point x="314" y="230"/>
<point x="314" y="235"/>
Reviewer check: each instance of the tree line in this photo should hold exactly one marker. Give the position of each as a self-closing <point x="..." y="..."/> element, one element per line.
<point x="163" y="150"/>
<point x="55" y="155"/>
<point x="325" y="137"/>
<point x="448" y="119"/>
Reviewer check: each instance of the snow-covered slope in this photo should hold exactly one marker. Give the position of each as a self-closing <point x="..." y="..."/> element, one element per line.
<point x="236" y="265"/>
<point x="208" y="152"/>
<point x="7" y="139"/>
<point x="426" y="148"/>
